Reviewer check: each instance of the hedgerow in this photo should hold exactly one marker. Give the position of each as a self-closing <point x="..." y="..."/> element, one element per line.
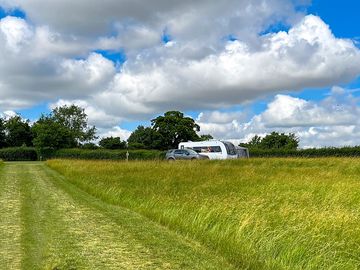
<point x="313" y="152"/>
<point x="32" y="154"/>
<point x="108" y="154"/>
<point x="18" y="154"/>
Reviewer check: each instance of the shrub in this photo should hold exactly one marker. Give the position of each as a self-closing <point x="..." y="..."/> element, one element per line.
<point x="313" y="152"/>
<point x="108" y="154"/>
<point x="18" y="154"/>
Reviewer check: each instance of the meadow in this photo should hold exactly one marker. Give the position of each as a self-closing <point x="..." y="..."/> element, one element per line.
<point x="46" y="223"/>
<point x="256" y="214"/>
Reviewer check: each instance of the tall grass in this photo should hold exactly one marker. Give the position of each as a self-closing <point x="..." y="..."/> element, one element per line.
<point x="257" y="213"/>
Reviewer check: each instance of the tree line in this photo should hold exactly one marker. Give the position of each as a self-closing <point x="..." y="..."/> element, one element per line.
<point x="64" y="127"/>
<point x="67" y="127"/>
<point x="273" y="141"/>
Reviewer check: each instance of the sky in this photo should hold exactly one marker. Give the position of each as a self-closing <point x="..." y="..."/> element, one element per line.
<point x="238" y="67"/>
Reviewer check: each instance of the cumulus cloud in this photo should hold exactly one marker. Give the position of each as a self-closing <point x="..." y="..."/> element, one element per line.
<point x="49" y="57"/>
<point x="8" y="114"/>
<point x="115" y="131"/>
<point x="333" y="121"/>
<point x="30" y="73"/>
<point x="16" y="32"/>
<point x="306" y="56"/>
<point x="96" y="116"/>
<point x="91" y="17"/>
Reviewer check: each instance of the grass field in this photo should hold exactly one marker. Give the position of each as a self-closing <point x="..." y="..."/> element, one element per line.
<point x="256" y="214"/>
<point x="48" y="223"/>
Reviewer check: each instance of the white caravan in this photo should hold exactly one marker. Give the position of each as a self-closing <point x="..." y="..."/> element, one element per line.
<point x="213" y="149"/>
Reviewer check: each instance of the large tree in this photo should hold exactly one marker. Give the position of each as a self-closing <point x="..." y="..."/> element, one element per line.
<point x="277" y="140"/>
<point x="49" y="133"/>
<point x="2" y="133"/>
<point x="75" y="120"/>
<point x="174" y="128"/>
<point x="145" y="138"/>
<point x="18" y="132"/>
<point x="64" y="127"/>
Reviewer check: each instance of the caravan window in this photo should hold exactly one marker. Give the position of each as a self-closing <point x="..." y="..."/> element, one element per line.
<point x="207" y="149"/>
<point x="230" y="148"/>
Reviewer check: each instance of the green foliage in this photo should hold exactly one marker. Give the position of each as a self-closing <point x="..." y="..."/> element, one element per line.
<point x="175" y="128"/>
<point x="2" y="133"/>
<point x="253" y="143"/>
<point x="65" y="127"/>
<point x="145" y="138"/>
<point x="89" y="145"/>
<point x="135" y="145"/>
<point x="18" y="154"/>
<point x="205" y="137"/>
<point x="18" y="132"/>
<point x="52" y="134"/>
<point x="108" y="154"/>
<point x="112" y="143"/>
<point x="74" y="119"/>
<point x="274" y="140"/>
<point x="307" y="153"/>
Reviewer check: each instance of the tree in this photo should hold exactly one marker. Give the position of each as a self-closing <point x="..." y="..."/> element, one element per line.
<point x="64" y="127"/>
<point x="253" y="143"/>
<point x="112" y="143"/>
<point x="205" y="137"/>
<point x="2" y="133"/>
<point x="89" y="146"/>
<point x="175" y="128"/>
<point x="74" y="119"/>
<point x="279" y="141"/>
<point x="18" y="132"/>
<point x="273" y="141"/>
<point x="145" y="138"/>
<point x="51" y="134"/>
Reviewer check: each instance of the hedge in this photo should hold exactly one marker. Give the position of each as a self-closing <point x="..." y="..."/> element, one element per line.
<point x="31" y="154"/>
<point x="313" y="152"/>
<point x="108" y="154"/>
<point x="18" y="154"/>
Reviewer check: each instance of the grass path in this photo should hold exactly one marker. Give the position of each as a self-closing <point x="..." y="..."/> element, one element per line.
<point x="47" y="223"/>
<point x="10" y="220"/>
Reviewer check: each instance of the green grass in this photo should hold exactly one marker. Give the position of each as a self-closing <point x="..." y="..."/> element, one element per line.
<point x="48" y="223"/>
<point x="257" y="213"/>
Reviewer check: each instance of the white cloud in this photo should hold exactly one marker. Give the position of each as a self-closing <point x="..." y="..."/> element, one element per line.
<point x="91" y="17"/>
<point x="114" y="132"/>
<point x="49" y="58"/>
<point x="96" y="116"/>
<point x="16" y="32"/>
<point x="333" y="121"/>
<point x="307" y="56"/>
<point x="32" y="71"/>
<point x="221" y="117"/>
<point x="8" y="114"/>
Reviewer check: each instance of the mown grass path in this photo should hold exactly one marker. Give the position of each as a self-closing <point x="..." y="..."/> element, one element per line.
<point x="47" y="223"/>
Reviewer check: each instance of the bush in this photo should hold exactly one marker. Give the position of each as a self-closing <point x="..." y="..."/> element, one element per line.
<point x="18" y="154"/>
<point x="108" y="154"/>
<point x="313" y="152"/>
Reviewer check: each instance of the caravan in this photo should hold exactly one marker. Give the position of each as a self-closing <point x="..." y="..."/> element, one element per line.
<point x="214" y="149"/>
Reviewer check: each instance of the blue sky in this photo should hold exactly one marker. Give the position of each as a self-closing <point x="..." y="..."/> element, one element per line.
<point x="125" y="66"/>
